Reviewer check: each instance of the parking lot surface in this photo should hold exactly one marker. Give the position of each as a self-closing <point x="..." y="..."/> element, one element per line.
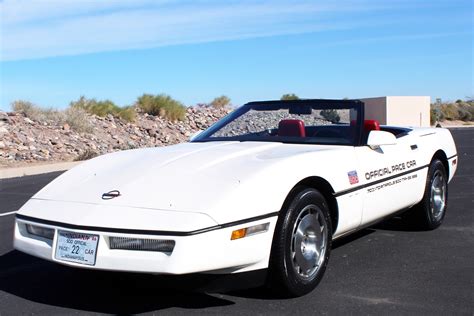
<point x="385" y="269"/>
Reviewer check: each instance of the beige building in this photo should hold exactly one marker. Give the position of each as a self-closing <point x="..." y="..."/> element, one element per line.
<point x="399" y="110"/>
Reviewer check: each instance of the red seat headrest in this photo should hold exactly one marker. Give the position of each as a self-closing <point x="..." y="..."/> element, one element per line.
<point x="371" y="125"/>
<point x="293" y="128"/>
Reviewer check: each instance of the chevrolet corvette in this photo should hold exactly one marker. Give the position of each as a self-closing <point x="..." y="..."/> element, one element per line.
<point x="268" y="187"/>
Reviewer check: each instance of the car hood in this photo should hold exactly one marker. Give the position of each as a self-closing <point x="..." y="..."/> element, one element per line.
<point x="190" y="177"/>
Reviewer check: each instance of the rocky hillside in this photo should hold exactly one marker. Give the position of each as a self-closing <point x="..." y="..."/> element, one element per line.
<point x="24" y="141"/>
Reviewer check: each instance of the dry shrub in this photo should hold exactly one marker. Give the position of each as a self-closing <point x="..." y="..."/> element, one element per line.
<point x="78" y="120"/>
<point x="38" y="114"/>
<point x="220" y="102"/>
<point x="25" y="107"/>
<point x="162" y="105"/>
<point x="86" y="155"/>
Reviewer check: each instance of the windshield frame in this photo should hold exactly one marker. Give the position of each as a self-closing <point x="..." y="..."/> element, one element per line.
<point x="319" y="104"/>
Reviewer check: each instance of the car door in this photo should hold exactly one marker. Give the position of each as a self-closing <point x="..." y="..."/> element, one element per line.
<point x="391" y="178"/>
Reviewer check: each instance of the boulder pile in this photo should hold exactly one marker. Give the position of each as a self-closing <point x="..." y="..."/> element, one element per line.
<point x="24" y="141"/>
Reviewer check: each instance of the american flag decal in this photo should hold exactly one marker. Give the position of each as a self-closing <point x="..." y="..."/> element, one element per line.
<point x="353" y="178"/>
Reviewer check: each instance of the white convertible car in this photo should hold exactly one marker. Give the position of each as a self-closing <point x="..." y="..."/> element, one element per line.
<point x="268" y="187"/>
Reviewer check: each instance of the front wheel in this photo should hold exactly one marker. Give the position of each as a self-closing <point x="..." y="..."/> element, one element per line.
<point x="430" y="212"/>
<point x="301" y="244"/>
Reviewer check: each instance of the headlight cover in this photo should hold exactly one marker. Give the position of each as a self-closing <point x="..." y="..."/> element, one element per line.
<point x="40" y="231"/>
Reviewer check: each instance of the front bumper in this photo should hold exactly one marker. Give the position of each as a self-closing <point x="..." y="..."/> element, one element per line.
<point x="207" y="251"/>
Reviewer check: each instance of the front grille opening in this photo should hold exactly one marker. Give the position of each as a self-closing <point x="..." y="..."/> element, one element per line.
<point x="140" y="244"/>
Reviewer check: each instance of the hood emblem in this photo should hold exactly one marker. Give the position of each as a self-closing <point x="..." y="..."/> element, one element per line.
<point x="111" y="195"/>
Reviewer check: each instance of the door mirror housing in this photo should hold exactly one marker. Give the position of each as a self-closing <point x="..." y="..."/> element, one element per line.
<point x="380" y="138"/>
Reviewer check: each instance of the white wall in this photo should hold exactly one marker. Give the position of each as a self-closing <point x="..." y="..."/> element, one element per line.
<point x="408" y="111"/>
<point x="399" y="110"/>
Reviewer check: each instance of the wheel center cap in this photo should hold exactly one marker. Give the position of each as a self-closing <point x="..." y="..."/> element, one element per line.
<point x="308" y="246"/>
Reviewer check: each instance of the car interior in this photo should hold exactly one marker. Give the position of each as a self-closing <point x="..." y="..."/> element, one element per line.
<point x="297" y="128"/>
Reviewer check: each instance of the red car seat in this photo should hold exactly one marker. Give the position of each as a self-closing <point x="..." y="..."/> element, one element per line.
<point x="294" y="128"/>
<point x="371" y="125"/>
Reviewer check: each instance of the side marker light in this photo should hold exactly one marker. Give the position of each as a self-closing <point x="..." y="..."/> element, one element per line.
<point x="239" y="233"/>
<point x="249" y="231"/>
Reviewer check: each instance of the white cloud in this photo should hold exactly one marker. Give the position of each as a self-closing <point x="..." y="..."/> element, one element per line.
<point x="395" y="38"/>
<point x="37" y="29"/>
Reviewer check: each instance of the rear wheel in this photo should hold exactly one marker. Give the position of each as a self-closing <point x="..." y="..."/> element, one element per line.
<point x="301" y="245"/>
<point x="430" y="212"/>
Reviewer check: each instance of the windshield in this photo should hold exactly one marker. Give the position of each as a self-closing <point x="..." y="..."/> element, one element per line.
<point x="306" y="122"/>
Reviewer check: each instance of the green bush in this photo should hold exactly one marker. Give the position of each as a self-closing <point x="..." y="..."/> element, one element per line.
<point x="220" y="102"/>
<point x="82" y="103"/>
<point x="128" y="114"/>
<point x="465" y="111"/>
<point x="450" y="112"/>
<point x="331" y="115"/>
<point x="464" y="115"/>
<point x="162" y="105"/>
<point x="289" y="96"/>
<point x="471" y="110"/>
<point x="103" y="108"/>
<point x="92" y="106"/>
<point x="440" y="115"/>
<point x="459" y="110"/>
<point x="433" y="116"/>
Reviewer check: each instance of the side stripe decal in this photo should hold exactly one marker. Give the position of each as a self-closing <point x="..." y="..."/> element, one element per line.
<point x="360" y="187"/>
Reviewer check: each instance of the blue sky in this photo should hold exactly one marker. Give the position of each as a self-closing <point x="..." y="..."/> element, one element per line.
<point x="52" y="52"/>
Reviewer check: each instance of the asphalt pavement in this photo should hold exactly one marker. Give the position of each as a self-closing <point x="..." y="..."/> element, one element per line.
<point x="386" y="269"/>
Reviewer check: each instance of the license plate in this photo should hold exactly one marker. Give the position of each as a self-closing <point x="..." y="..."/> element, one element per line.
<point x="76" y="247"/>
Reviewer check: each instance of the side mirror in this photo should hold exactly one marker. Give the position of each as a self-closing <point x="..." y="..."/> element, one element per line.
<point x="381" y="138"/>
<point x="193" y="136"/>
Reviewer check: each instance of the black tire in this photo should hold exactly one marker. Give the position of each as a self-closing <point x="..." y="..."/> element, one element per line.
<point x="430" y="212"/>
<point x="292" y="271"/>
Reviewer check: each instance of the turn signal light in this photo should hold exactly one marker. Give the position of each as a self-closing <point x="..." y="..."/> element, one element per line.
<point x="239" y="233"/>
<point x="249" y="231"/>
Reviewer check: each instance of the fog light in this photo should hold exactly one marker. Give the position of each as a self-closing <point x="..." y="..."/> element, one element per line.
<point x="126" y="243"/>
<point x="249" y="231"/>
<point x="40" y="231"/>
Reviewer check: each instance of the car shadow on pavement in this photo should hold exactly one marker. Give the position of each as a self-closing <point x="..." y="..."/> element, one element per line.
<point x="267" y="294"/>
<point x="352" y="237"/>
<point x="392" y="224"/>
<point x="399" y="224"/>
<point x="98" y="291"/>
<point x="52" y="284"/>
